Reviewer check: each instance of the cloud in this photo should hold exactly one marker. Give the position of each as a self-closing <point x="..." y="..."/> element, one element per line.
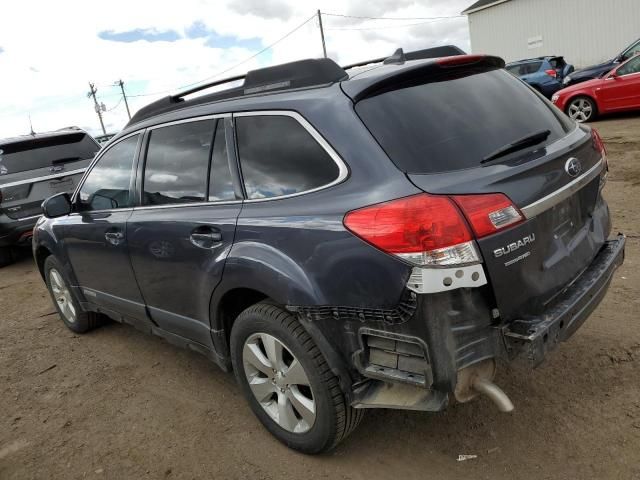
<point x="155" y="51"/>
<point x="147" y="34"/>
<point x="263" y="8"/>
<point x="212" y="38"/>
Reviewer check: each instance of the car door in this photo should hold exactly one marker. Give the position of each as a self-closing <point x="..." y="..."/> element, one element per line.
<point x="182" y="231"/>
<point x="622" y="91"/>
<point x="95" y="233"/>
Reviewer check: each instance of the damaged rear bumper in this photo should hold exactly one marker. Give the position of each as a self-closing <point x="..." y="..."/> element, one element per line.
<point x="536" y="336"/>
<point x="435" y="347"/>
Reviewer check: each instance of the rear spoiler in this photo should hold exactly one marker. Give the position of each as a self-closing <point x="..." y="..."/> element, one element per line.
<point x="366" y="86"/>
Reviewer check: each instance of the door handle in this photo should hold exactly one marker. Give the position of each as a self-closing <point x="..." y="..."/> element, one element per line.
<point x="114" y="238"/>
<point x="205" y="237"/>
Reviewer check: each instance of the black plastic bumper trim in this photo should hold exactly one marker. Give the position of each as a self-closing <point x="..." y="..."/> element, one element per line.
<point x="539" y="335"/>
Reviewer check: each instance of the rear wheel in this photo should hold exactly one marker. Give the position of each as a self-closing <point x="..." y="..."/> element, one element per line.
<point x="6" y="256"/>
<point x="68" y="308"/>
<point x="582" y="109"/>
<point x="287" y="381"/>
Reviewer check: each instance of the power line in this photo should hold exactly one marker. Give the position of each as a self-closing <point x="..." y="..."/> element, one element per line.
<point x="115" y="106"/>
<point x="252" y="56"/>
<point x="384" y="27"/>
<point x="393" y="18"/>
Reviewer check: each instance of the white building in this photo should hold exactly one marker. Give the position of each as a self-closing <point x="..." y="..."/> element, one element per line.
<point x="585" y="32"/>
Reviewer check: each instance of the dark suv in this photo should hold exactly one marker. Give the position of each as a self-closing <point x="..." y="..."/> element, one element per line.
<point x="32" y="168"/>
<point x="343" y="241"/>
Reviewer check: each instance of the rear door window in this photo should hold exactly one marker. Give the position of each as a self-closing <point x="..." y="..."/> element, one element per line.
<point x="278" y="156"/>
<point x="46" y="152"/>
<point x="177" y="163"/>
<point x="453" y="123"/>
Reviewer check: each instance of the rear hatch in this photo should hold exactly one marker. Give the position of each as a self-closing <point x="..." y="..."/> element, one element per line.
<point x="33" y="169"/>
<point x="474" y="129"/>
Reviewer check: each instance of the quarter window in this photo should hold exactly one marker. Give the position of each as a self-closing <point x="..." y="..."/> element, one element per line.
<point x="177" y="163"/>
<point x="278" y="156"/>
<point x="108" y="184"/>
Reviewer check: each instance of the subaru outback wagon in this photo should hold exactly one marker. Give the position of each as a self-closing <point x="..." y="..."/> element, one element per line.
<point x="342" y="239"/>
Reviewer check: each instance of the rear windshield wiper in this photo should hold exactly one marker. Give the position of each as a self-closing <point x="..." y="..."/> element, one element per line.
<point x="524" y="142"/>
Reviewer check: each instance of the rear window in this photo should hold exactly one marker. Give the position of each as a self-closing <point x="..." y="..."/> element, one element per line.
<point x="524" y="68"/>
<point x="44" y="152"/>
<point x="453" y="124"/>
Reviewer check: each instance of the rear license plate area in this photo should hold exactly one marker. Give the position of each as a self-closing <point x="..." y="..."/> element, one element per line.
<point x="61" y="186"/>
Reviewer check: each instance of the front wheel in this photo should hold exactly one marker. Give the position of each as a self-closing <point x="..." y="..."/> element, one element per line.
<point x="68" y="308"/>
<point x="582" y="109"/>
<point x="287" y="381"/>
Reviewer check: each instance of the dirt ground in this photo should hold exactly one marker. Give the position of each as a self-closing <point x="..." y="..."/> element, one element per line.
<point x="118" y="404"/>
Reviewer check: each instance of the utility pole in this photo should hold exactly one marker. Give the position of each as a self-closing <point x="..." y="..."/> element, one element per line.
<point x="124" y="95"/>
<point x="92" y="93"/>
<point x="33" y="133"/>
<point x="324" y="47"/>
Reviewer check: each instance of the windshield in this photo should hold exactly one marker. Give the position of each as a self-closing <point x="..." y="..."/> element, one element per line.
<point x="41" y="152"/>
<point x="455" y="123"/>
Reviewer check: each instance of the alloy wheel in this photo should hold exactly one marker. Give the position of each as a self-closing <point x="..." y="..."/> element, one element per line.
<point x="580" y="109"/>
<point x="62" y="295"/>
<point x="279" y="382"/>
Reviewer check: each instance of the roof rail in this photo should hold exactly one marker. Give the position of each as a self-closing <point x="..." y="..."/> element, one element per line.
<point x="299" y="74"/>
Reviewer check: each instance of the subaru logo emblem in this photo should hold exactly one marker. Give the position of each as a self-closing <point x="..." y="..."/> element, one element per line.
<point x="573" y="167"/>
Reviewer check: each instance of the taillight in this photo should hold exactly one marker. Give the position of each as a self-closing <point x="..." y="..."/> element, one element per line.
<point x="597" y="142"/>
<point x="598" y="145"/>
<point x="488" y="213"/>
<point x="430" y="230"/>
<point x="551" y="72"/>
<point x="459" y="60"/>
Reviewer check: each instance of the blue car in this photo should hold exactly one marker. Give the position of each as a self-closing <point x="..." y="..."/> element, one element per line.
<point x="545" y="74"/>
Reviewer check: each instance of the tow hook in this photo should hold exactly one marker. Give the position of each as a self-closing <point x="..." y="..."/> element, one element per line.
<point x="478" y="379"/>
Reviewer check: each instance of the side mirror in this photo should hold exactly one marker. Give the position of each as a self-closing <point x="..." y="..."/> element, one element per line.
<point x="57" y="206"/>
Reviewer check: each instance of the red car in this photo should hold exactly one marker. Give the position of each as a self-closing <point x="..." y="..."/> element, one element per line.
<point x="617" y="91"/>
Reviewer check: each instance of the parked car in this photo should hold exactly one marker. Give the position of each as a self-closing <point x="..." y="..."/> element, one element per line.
<point x="343" y="241"/>
<point x="597" y="71"/>
<point x="545" y="74"/>
<point x="32" y="168"/>
<point x="104" y="139"/>
<point x="617" y="91"/>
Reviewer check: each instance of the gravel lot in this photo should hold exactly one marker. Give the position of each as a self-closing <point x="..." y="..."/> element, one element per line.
<point x="118" y="404"/>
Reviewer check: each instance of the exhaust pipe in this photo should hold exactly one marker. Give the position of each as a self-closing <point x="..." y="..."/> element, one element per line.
<point x="495" y="393"/>
<point x="477" y="379"/>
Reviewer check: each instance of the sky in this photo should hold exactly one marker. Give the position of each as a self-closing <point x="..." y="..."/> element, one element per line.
<point x="51" y="49"/>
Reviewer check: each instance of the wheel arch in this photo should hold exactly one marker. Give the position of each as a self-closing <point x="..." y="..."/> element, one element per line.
<point x="41" y="255"/>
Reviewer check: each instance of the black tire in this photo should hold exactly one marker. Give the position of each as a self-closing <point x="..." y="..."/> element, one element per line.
<point x="82" y="321"/>
<point x="6" y="256"/>
<point x="593" y="109"/>
<point x="335" y="419"/>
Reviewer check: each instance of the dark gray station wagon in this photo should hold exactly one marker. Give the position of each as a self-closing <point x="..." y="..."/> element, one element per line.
<point x="381" y="236"/>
